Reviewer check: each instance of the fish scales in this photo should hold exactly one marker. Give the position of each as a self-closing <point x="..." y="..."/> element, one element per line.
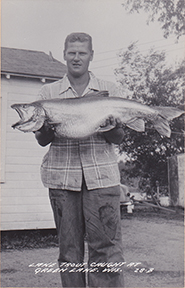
<point x="80" y="117"/>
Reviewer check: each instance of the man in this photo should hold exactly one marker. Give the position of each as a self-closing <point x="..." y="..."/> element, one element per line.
<point x="83" y="179"/>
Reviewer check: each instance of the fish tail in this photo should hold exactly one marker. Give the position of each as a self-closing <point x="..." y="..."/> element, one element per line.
<point x="162" y="126"/>
<point x="169" y="113"/>
<point x="181" y="107"/>
<point x="166" y="114"/>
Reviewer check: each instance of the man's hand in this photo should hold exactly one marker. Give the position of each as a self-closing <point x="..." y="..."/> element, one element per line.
<point x="113" y="122"/>
<point x="45" y="134"/>
<point x="115" y="135"/>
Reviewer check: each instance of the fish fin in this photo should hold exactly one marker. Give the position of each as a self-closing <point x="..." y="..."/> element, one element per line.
<point x="53" y="123"/>
<point x="108" y="124"/>
<point x="102" y="93"/>
<point x="38" y="125"/>
<point x="137" y="124"/>
<point x="106" y="128"/>
<point x="169" y="112"/>
<point x="162" y="126"/>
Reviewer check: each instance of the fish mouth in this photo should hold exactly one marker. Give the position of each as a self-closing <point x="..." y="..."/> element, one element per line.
<point x="18" y="110"/>
<point x="23" y="120"/>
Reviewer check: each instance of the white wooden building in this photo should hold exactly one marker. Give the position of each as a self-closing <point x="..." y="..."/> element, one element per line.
<point x="24" y="200"/>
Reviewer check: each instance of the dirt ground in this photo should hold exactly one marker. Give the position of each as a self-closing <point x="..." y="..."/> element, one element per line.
<point x="155" y="240"/>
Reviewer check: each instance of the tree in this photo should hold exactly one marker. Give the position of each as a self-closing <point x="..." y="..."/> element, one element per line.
<point x="147" y="78"/>
<point x="170" y="13"/>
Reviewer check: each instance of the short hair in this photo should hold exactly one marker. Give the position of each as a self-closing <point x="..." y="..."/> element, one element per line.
<point x="81" y="37"/>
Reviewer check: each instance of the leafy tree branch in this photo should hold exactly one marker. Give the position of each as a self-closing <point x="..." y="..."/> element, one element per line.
<point x="170" y="13"/>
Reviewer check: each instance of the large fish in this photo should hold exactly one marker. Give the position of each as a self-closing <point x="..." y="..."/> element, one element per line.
<point x="81" y="117"/>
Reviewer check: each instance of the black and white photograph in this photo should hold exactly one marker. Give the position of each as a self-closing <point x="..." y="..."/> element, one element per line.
<point x="92" y="143"/>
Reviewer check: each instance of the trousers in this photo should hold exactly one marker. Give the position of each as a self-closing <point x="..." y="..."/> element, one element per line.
<point x="96" y="214"/>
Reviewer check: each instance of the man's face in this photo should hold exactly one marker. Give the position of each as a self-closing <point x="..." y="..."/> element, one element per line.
<point x="77" y="56"/>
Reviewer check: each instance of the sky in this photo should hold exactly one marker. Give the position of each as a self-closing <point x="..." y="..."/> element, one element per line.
<point x="43" y="25"/>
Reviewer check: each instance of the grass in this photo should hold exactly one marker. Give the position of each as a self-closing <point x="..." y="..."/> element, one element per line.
<point x="28" y="239"/>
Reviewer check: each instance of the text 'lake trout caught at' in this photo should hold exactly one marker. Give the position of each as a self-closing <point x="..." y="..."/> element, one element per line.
<point x="82" y="117"/>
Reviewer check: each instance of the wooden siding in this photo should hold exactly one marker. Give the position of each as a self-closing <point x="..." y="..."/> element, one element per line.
<point x="24" y="199"/>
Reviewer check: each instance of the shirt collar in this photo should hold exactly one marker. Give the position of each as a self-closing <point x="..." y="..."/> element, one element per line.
<point x="92" y="85"/>
<point x="65" y="84"/>
<point x="93" y="82"/>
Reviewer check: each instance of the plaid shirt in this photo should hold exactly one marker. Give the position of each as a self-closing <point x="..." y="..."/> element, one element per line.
<point x="68" y="160"/>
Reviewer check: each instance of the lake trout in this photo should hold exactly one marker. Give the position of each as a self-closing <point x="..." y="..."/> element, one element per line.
<point x="81" y="117"/>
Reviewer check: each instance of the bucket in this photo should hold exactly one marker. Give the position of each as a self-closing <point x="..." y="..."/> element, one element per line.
<point x="164" y="201"/>
<point x="130" y="207"/>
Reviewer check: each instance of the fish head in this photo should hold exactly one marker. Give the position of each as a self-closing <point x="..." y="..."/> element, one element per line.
<point x="32" y="117"/>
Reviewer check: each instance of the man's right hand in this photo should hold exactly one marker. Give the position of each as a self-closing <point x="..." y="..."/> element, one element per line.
<point x="45" y="134"/>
